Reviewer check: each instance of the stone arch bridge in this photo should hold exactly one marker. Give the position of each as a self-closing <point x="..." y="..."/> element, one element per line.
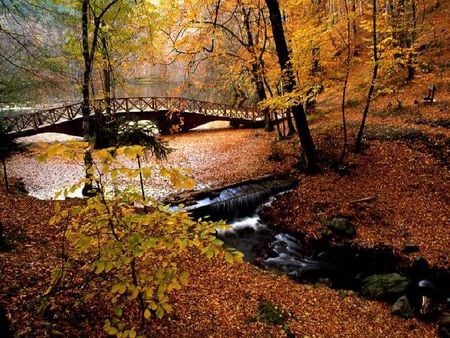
<point x="173" y="114"/>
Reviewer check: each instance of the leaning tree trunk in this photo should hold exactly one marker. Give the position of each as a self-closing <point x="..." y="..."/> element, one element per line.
<point x="141" y="178"/>
<point x="358" y="143"/>
<point x="300" y="119"/>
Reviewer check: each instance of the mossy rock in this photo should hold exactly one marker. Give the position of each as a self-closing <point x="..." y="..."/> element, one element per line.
<point x="402" y="308"/>
<point x="269" y="313"/>
<point x="444" y="325"/>
<point x="340" y="226"/>
<point x="384" y="286"/>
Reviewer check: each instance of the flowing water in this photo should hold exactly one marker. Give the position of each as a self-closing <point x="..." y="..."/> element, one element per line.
<point x="315" y="260"/>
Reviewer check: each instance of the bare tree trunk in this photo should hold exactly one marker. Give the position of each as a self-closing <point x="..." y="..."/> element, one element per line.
<point x="358" y="144"/>
<point x="300" y="119"/>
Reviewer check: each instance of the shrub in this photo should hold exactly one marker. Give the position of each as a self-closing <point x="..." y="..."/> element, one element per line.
<point x="127" y="245"/>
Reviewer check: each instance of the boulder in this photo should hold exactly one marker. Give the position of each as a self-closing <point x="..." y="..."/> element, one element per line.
<point x="410" y="247"/>
<point x="428" y="308"/>
<point x="384" y="286"/>
<point x="5" y="325"/>
<point x="402" y="308"/>
<point x="444" y="326"/>
<point x="340" y="226"/>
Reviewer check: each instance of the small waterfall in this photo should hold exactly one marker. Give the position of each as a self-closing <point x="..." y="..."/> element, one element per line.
<point x="239" y="201"/>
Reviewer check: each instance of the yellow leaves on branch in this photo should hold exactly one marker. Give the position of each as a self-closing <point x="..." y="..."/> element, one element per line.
<point x="131" y="152"/>
<point x="132" y="250"/>
<point x="283" y="102"/>
<point x="179" y="178"/>
<point x="68" y="150"/>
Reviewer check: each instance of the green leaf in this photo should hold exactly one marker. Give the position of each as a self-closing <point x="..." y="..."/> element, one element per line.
<point x="184" y="278"/>
<point x="112" y="331"/>
<point x="217" y="242"/>
<point x="147" y="172"/>
<point x="229" y="257"/>
<point x="100" y="267"/>
<point x="147" y="314"/>
<point x="109" y="266"/>
<point x="209" y="252"/>
<point x="167" y="307"/>
<point x="159" y="312"/>
<point x="119" y="311"/>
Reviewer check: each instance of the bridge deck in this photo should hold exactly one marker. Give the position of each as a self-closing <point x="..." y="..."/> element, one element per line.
<point x="42" y="120"/>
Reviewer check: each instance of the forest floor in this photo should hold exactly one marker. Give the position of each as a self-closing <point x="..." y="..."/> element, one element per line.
<point x="403" y="172"/>
<point x="410" y="189"/>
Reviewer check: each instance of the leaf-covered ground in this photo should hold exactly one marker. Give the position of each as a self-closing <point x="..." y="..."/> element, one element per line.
<point x="404" y="171"/>
<point x="222" y="299"/>
<point x="241" y="154"/>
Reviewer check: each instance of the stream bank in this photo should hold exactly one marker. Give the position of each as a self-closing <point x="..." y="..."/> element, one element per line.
<point x="374" y="273"/>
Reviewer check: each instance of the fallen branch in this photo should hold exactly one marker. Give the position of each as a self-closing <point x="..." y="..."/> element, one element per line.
<point x="365" y="199"/>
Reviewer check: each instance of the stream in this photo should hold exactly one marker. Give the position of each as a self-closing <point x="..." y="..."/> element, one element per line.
<point x="318" y="261"/>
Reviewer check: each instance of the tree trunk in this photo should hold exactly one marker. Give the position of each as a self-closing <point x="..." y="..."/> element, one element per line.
<point x="358" y="144"/>
<point x="261" y="92"/>
<point x="5" y="175"/>
<point x="88" y="57"/>
<point x="354" y="25"/>
<point x="107" y="71"/>
<point x="344" y="86"/>
<point x="100" y="142"/>
<point x="277" y="123"/>
<point x="256" y="69"/>
<point x="300" y="119"/>
<point x="85" y="108"/>
<point x="88" y="188"/>
<point x="141" y="178"/>
<point x="291" y="129"/>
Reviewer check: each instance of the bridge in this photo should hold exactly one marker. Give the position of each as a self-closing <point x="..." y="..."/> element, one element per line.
<point x="173" y="114"/>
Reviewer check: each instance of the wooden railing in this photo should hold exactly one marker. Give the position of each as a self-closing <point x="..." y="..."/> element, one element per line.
<point x="36" y="119"/>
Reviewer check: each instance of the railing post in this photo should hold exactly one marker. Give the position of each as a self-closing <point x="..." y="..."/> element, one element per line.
<point x="35" y="121"/>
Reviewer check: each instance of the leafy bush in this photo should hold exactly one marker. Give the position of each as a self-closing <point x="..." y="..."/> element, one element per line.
<point x="127" y="245"/>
